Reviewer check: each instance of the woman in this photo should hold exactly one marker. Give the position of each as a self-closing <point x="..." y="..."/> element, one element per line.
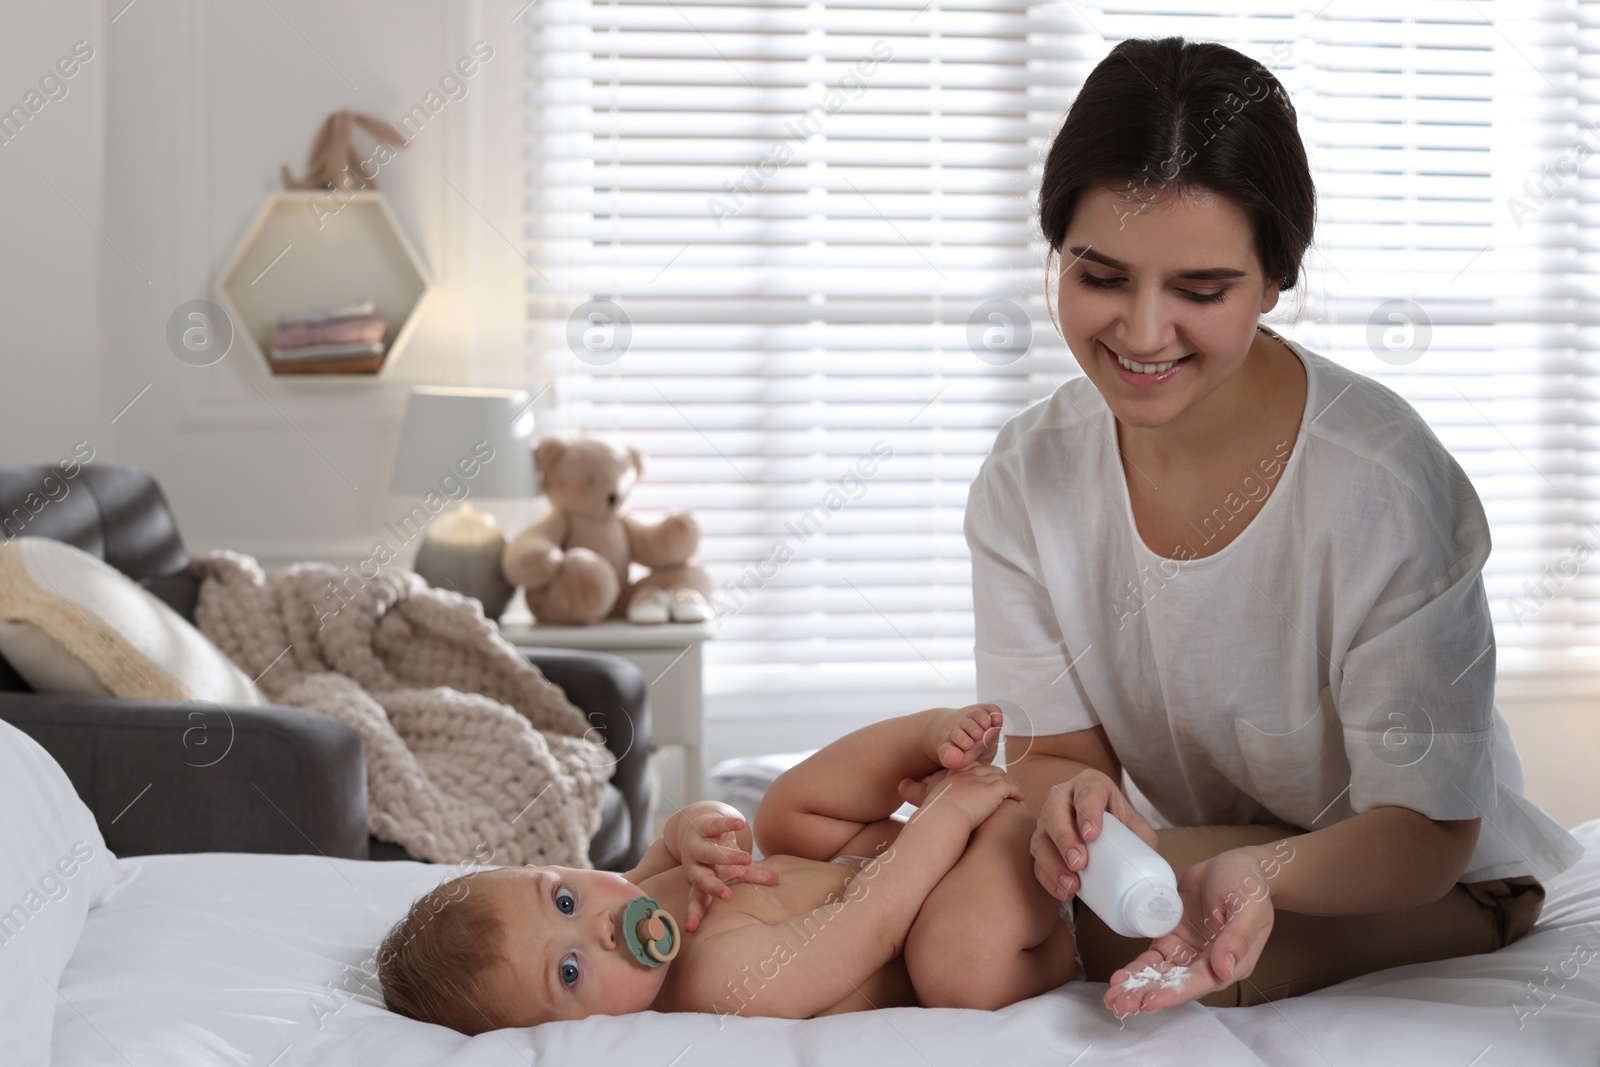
<point x="1241" y="573"/>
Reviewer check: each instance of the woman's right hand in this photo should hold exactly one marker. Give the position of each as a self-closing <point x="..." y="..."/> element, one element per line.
<point x="1074" y="813"/>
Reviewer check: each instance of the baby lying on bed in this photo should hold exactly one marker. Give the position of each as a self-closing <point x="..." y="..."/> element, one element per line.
<point x="794" y="936"/>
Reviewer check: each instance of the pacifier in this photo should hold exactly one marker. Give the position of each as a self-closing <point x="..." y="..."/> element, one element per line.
<point x="652" y="935"/>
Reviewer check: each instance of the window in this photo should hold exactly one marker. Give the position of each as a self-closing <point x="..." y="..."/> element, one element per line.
<point x="798" y="207"/>
<point x="799" y="243"/>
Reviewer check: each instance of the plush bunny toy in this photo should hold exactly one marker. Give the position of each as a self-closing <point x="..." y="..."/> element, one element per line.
<point x="574" y="563"/>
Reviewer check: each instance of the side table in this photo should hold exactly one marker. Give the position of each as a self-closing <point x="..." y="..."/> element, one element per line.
<point x="669" y="656"/>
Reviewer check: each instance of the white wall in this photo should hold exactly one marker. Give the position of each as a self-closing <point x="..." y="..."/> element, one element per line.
<point x="204" y="102"/>
<point x="51" y="175"/>
<point x="1558" y="740"/>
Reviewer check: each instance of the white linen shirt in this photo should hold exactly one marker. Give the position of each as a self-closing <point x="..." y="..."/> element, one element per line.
<point x="1336" y="656"/>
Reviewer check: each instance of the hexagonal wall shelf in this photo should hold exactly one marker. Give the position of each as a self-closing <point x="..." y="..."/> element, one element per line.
<point x="318" y="249"/>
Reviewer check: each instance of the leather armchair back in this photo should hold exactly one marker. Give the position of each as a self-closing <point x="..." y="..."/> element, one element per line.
<point x="116" y="513"/>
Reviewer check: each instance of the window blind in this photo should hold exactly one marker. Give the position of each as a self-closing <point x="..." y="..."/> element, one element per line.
<point x="798" y="207"/>
<point x="783" y="227"/>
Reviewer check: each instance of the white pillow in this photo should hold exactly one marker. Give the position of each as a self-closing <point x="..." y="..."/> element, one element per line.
<point x="54" y="867"/>
<point x="45" y="665"/>
<point x="72" y="623"/>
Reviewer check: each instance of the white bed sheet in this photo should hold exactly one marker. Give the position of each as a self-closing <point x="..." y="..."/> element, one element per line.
<point x="220" y="958"/>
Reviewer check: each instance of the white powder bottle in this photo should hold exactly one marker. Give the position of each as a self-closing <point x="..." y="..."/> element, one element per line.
<point x="1128" y="884"/>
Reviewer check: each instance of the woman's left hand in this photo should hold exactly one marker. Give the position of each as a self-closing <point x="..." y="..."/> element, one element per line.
<point x="1227" y="917"/>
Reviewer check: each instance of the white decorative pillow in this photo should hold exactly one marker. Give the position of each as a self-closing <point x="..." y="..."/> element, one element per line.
<point x="54" y="867"/>
<point x="80" y="626"/>
<point x="47" y="666"/>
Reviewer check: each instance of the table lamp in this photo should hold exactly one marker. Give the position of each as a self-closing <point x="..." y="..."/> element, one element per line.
<point x="476" y="442"/>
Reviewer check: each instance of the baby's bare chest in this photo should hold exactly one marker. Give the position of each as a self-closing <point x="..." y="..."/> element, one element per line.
<point x="803" y="886"/>
<point x="807" y="893"/>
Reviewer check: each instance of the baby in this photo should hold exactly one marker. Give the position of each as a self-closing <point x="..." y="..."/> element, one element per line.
<point x="835" y="921"/>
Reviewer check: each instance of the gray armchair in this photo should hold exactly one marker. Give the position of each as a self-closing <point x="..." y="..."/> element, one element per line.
<point x="170" y="777"/>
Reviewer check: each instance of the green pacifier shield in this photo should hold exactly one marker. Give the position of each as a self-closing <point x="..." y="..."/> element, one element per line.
<point x="651" y="934"/>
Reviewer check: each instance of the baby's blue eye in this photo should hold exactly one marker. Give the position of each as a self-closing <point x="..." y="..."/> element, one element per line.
<point x="569" y="970"/>
<point x="565" y="900"/>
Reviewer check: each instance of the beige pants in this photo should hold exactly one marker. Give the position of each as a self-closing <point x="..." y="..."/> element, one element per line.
<point x="1306" y="952"/>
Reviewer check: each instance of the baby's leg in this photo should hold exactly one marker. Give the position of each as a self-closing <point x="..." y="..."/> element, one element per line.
<point x="989" y="935"/>
<point x="822" y="804"/>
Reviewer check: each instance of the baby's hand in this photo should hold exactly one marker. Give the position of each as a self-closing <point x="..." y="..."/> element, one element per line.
<point x="978" y="790"/>
<point x="708" y="848"/>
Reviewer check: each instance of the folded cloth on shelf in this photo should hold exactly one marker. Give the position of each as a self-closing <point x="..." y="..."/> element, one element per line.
<point x="356" y="329"/>
<point x="471" y="753"/>
<point x="334" y="351"/>
<point x="334" y="365"/>
<point x="316" y="316"/>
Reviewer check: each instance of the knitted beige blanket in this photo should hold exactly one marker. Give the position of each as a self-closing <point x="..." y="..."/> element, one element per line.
<point x="471" y="754"/>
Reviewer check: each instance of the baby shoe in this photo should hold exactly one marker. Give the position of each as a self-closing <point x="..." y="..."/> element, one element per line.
<point x="689" y="606"/>
<point x="650" y="606"/>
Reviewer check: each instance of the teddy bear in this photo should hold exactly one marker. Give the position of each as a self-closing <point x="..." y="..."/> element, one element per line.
<point x="574" y="563"/>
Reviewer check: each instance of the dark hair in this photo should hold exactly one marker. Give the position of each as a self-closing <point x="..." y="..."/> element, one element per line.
<point x="1187" y="113"/>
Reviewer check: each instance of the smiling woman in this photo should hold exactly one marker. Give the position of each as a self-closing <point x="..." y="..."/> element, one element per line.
<point x="1335" y="624"/>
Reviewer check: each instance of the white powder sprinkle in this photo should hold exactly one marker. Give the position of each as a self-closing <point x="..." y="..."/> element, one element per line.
<point x="1150" y="977"/>
<point x="1161" y="910"/>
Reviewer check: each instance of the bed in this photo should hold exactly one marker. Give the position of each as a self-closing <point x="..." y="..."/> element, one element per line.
<point x="214" y="958"/>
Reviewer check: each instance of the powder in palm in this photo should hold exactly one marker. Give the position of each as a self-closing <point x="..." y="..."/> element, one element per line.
<point x="1151" y="977"/>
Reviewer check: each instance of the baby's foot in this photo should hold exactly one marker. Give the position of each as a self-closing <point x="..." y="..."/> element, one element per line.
<point x="962" y="736"/>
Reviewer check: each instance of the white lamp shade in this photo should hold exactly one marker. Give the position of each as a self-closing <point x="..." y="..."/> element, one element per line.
<point x="449" y="432"/>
